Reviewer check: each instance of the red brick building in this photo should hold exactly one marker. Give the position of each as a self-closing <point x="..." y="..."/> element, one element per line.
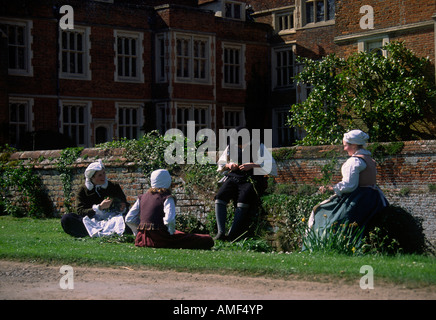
<point x="315" y="28"/>
<point x="132" y="66"/>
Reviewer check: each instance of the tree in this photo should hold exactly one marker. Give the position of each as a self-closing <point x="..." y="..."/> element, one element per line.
<point x="385" y="96"/>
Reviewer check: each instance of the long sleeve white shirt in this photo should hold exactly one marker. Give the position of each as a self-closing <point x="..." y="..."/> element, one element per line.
<point x="350" y="173"/>
<point x="268" y="165"/>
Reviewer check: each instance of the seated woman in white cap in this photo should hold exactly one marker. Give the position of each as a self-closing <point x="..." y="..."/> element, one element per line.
<point x="356" y="198"/>
<point x="100" y="205"/>
<point x="153" y="218"/>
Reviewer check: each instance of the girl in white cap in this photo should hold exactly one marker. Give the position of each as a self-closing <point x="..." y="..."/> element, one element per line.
<point x="153" y="218"/>
<point x="100" y="205"/>
<point x="356" y="198"/>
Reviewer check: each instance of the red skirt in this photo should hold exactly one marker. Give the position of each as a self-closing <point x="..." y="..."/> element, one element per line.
<point x="178" y="240"/>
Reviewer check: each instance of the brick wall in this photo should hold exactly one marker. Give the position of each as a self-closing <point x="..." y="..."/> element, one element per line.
<point x="405" y="178"/>
<point x="387" y="13"/>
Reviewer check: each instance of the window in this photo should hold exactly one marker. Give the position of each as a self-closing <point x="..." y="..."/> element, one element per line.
<point x="233" y="66"/>
<point x="161" y="118"/>
<point x="128" y="58"/>
<point x="373" y="45"/>
<point x="19" y="46"/>
<point x="74" y="53"/>
<point x="192" y="58"/>
<point x="129" y="121"/>
<point x="319" y="10"/>
<point x="161" y="74"/>
<point x="283" y="67"/>
<point x="19" y="120"/>
<point x="188" y="112"/>
<point x="233" y="117"/>
<point x="284" y="21"/>
<point x="284" y="134"/>
<point x="75" y="122"/>
<point x="233" y="10"/>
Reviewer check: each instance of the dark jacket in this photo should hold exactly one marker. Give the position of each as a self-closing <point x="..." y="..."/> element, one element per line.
<point x="85" y="198"/>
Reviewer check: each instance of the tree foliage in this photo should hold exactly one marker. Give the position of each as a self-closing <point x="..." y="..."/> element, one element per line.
<point x="385" y="96"/>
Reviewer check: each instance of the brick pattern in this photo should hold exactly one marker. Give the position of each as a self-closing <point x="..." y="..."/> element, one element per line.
<point x="387" y="13"/>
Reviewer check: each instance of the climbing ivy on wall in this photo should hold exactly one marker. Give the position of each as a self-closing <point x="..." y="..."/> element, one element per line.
<point x="64" y="165"/>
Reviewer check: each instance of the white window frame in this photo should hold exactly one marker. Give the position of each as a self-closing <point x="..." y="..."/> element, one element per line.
<point x="86" y="59"/>
<point x="363" y="45"/>
<point x="138" y="37"/>
<point x="27" y="69"/>
<point x="188" y="57"/>
<point x="233" y="11"/>
<point x="281" y="129"/>
<point x="73" y="125"/>
<point x="284" y="17"/>
<point x="316" y="21"/>
<point x="231" y="112"/>
<point x="274" y="69"/>
<point x="162" y="117"/>
<point x="190" y="116"/>
<point x="133" y="129"/>
<point x="229" y="66"/>
<point x="28" y="118"/>
<point x="161" y="58"/>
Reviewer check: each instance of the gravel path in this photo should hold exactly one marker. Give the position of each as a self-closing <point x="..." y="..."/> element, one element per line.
<point x="25" y="280"/>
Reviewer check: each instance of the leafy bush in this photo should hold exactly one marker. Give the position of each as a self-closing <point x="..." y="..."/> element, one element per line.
<point x="392" y="231"/>
<point x="148" y="152"/>
<point x="395" y="230"/>
<point x="344" y="238"/>
<point x="22" y="193"/>
<point x="391" y="97"/>
<point x="64" y="165"/>
<point x="290" y="214"/>
<point x="190" y="224"/>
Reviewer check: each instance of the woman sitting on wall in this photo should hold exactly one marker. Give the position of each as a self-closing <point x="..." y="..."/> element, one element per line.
<point x="153" y="218"/>
<point x="357" y="198"/>
<point x="100" y="205"/>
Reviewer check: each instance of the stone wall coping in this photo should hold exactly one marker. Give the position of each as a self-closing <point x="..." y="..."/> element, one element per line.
<point x="418" y="147"/>
<point x="115" y="157"/>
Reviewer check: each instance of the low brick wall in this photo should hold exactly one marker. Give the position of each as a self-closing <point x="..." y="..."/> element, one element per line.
<point x="127" y="174"/>
<point x="406" y="178"/>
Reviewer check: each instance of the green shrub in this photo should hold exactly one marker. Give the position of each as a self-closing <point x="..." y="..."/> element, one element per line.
<point x="290" y="214"/>
<point x="190" y="224"/>
<point x="22" y="193"/>
<point x="148" y="152"/>
<point x="394" y="230"/>
<point x="64" y="165"/>
<point x="342" y="238"/>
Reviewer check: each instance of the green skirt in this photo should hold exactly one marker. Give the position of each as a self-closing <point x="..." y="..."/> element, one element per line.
<point x="358" y="207"/>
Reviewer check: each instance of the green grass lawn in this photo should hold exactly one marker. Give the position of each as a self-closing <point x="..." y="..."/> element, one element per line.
<point x="43" y="240"/>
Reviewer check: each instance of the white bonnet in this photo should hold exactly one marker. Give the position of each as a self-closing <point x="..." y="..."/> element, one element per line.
<point x="356" y="137"/>
<point x="90" y="171"/>
<point x="160" y="178"/>
<point x="93" y="168"/>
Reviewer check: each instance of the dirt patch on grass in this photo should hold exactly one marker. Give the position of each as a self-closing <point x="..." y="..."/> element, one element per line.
<point x="26" y="280"/>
